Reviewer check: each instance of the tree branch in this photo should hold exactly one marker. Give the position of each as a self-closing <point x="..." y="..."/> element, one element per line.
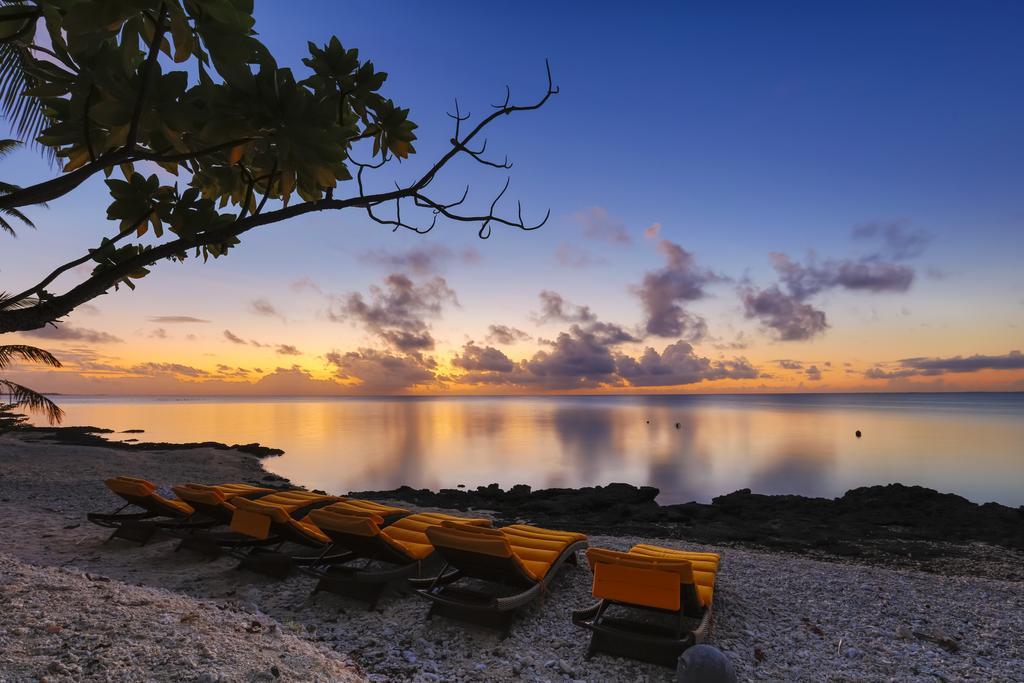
<point x="147" y="71"/>
<point x="98" y="283"/>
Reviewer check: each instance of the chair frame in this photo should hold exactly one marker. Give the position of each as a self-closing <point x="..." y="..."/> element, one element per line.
<point x="489" y="608"/>
<point x="634" y="639"/>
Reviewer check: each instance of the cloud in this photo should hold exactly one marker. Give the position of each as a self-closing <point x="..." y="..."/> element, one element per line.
<point x="662" y="290"/>
<point x="159" y="333"/>
<point x="652" y="231"/>
<point x="554" y="307"/>
<point x="482" y="358"/>
<point x="787" y="364"/>
<point x="805" y="280"/>
<point x="788" y="313"/>
<point x="813" y="373"/>
<point x="421" y="260"/>
<point x="176" y="369"/>
<point x="173" y="319"/>
<point x="677" y="364"/>
<point x="573" y="256"/>
<point x="930" y="367"/>
<point x="303" y="284"/>
<point x="265" y="308"/>
<point x="397" y="312"/>
<point x="232" y="337"/>
<point x="899" y="241"/>
<point x="578" y="358"/>
<point x="381" y="371"/>
<point x="288" y="350"/>
<point x="600" y="227"/>
<point x="66" y="332"/>
<point x="783" y="313"/>
<point x="503" y="334"/>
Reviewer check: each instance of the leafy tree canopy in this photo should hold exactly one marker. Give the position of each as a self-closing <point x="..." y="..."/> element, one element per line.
<point x="185" y="84"/>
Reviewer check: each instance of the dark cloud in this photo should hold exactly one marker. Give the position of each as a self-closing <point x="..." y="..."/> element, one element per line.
<point x="600" y="227"/>
<point x="172" y="319"/>
<point x="553" y="307"/>
<point x="503" y="334"/>
<point x="158" y="333"/>
<point x="65" y="332"/>
<point x="677" y="364"/>
<point x="790" y="364"/>
<point x="288" y="350"/>
<point x="813" y="373"/>
<point x="899" y="241"/>
<point x="662" y="291"/>
<point x="421" y="260"/>
<point x="167" y="369"/>
<point x="232" y="337"/>
<point x="398" y="311"/>
<point x="381" y="371"/>
<point x="782" y="312"/>
<point x="805" y="280"/>
<point x="573" y="256"/>
<point x="787" y="311"/>
<point x="930" y="367"/>
<point x="578" y="359"/>
<point x="265" y="308"/>
<point x="482" y="358"/>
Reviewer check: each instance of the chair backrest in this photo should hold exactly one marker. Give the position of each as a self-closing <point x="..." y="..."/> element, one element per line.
<point x="481" y="552"/>
<point x="255" y="518"/>
<point x="131" y="486"/>
<point x="143" y="493"/>
<point x="639" y="580"/>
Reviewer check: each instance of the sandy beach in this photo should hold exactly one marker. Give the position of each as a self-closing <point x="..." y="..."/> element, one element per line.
<point x="79" y="609"/>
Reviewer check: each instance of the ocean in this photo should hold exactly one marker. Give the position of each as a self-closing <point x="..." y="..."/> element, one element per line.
<point x="690" y="447"/>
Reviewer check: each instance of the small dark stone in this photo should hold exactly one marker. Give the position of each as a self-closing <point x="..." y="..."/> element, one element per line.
<point x="275" y="672"/>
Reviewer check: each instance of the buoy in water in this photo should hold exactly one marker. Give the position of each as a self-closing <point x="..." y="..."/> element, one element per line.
<point x="857" y="433"/>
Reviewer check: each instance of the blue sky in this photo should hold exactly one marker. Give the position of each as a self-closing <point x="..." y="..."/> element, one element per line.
<point x="742" y="129"/>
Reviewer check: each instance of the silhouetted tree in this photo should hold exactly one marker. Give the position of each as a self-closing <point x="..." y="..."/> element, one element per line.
<point x="241" y="132"/>
<point x="18" y="396"/>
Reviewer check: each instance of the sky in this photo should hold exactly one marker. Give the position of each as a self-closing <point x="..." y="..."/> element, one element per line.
<point x="744" y="197"/>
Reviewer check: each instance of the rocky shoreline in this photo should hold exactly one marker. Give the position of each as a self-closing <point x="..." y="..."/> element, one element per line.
<point x="893" y="525"/>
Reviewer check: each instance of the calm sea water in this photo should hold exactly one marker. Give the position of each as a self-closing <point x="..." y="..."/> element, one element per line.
<point x="690" y="447"/>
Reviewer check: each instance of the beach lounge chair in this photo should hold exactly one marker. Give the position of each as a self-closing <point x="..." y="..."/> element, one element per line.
<point x="157" y="512"/>
<point x="391" y="554"/>
<point x="514" y="565"/>
<point x="268" y="522"/>
<point x="220" y="503"/>
<point x="649" y="580"/>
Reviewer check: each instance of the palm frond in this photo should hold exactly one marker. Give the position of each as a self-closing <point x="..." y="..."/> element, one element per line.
<point x="29" y="353"/>
<point x="25" y="114"/>
<point x="15" y="213"/>
<point x="32" y="400"/>
<point x="7" y="302"/>
<point x="7" y="145"/>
